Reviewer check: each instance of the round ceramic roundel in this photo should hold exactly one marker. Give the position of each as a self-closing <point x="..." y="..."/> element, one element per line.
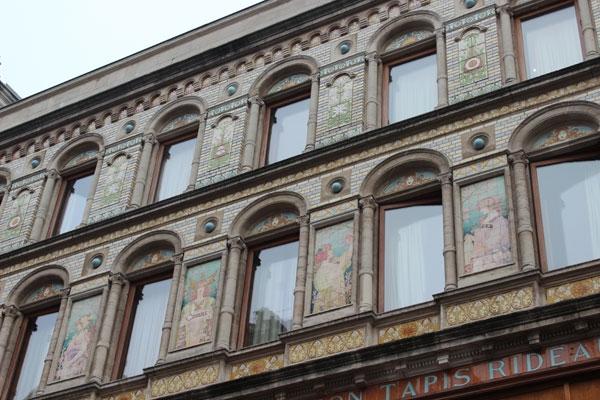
<point x="472" y="64"/>
<point x="14" y="222"/>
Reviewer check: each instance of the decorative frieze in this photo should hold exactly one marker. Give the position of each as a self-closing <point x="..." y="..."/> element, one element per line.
<point x="256" y="366"/>
<point x="138" y="394"/>
<point x="573" y="290"/>
<point x="342" y="65"/>
<point x="480" y="166"/>
<point x="227" y="107"/>
<point x="120" y="146"/>
<point x="327" y="345"/>
<point x="187" y="380"/>
<point x="409" y="329"/>
<point x="492" y="306"/>
<point x="470" y="19"/>
<point x="338" y="209"/>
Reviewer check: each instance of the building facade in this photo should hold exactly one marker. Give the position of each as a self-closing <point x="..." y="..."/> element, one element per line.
<point x="339" y="200"/>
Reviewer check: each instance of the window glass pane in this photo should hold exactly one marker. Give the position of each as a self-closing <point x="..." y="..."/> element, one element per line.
<point x="570" y="203"/>
<point x="144" y="341"/>
<point x="175" y="169"/>
<point x="288" y="131"/>
<point x="551" y="42"/>
<point x="412" y="88"/>
<point x="272" y="299"/>
<point x="74" y="202"/>
<point x="33" y="362"/>
<point x="414" y="264"/>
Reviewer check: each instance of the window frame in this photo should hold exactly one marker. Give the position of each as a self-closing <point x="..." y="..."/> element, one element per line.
<point x="431" y="197"/>
<point x="531" y="14"/>
<point x="537" y="209"/>
<point x="249" y="283"/>
<point x="169" y="138"/>
<point x="126" y="328"/>
<point x="273" y="102"/>
<point x="68" y="175"/>
<point x="23" y="338"/>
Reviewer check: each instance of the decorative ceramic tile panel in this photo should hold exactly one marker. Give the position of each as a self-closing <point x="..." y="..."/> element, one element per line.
<point x="220" y="148"/>
<point x="289" y="82"/>
<point x="81" y="157"/>
<point x="407" y="39"/>
<point x="152" y="257"/>
<point x="180" y="120"/>
<point x="409" y="329"/>
<point x="184" y="381"/>
<point x="562" y="134"/>
<point x="78" y="344"/>
<point x="115" y="178"/>
<point x="481" y="166"/>
<point x="332" y="267"/>
<point x="17" y="213"/>
<point x="488" y="307"/>
<point x="472" y="58"/>
<point x="573" y="290"/>
<point x="131" y="395"/>
<point x="486" y="234"/>
<point x="48" y="289"/>
<point x="340" y="102"/>
<point x="256" y="366"/>
<point x="409" y="179"/>
<point x="274" y="221"/>
<point x="198" y="304"/>
<point x="327" y="346"/>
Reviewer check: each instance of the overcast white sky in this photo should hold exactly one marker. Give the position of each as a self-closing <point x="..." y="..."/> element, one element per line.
<point x="46" y="42"/>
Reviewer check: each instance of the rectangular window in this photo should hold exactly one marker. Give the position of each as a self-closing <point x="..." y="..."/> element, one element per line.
<point x="413" y="255"/>
<point x="175" y="168"/>
<point x="36" y="341"/>
<point x="272" y="292"/>
<point x="74" y="198"/>
<point x="148" y="314"/>
<point x="412" y="88"/>
<point x="288" y="129"/>
<point x="551" y="42"/>
<point x="569" y="199"/>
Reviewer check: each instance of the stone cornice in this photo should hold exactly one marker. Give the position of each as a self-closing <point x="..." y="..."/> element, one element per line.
<point x="533" y="93"/>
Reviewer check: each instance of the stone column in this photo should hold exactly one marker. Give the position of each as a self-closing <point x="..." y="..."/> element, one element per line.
<point x="372" y="116"/>
<point x="10" y="315"/>
<point x="168" y="325"/>
<point x="142" y="172"/>
<point x="312" y="113"/>
<point x="587" y="26"/>
<point x="508" y="47"/>
<point x="300" y="288"/>
<point x="197" y="152"/>
<point x="449" y="239"/>
<point x="43" y="210"/>
<point x="442" y="67"/>
<point x="251" y="134"/>
<point x="236" y="245"/>
<point x="117" y="282"/>
<point x="365" y="271"/>
<point x="524" y="224"/>
<point x="93" y="189"/>
<point x="64" y="297"/>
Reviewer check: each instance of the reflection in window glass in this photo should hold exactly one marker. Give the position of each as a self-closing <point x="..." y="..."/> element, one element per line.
<point x="570" y="205"/>
<point x="175" y="169"/>
<point x="412" y="88"/>
<point x="144" y="341"/>
<point x="413" y="264"/>
<point x="551" y="42"/>
<point x="76" y="194"/>
<point x="272" y="298"/>
<point x="37" y="348"/>
<point x="288" y="131"/>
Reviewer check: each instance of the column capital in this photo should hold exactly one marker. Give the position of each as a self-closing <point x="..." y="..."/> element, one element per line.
<point x="149" y="138"/>
<point x="445" y="178"/>
<point x="11" y="311"/>
<point x="255" y="100"/>
<point x="236" y="243"/>
<point x="504" y="9"/>
<point x="303" y="219"/>
<point x="368" y="202"/>
<point x="373" y="57"/>
<point x="315" y="77"/>
<point x="519" y="157"/>
<point x="117" y="279"/>
<point x="178" y="258"/>
<point x="64" y="293"/>
<point x="52" y="173"/>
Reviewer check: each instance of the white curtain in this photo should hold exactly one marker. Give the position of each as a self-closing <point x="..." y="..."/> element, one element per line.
<point x="76" y="197"/>
<point x="176" y="166"/>
<point x="412" y="88"/>
<point x="551" y="42"/>
<point x="272" y="300"/>
<point x="33" y="362"/>
<point x="145" y="336"/>
<point x="592" y="198"/>
<point x="414" y="265"/>
<point x="288" y="131"/>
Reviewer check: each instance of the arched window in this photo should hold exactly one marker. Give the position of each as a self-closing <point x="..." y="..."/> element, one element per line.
<point x="272" y="238"/>
<point x="413" y="71"/>
<point x="171" y="152"/>
<point x="557" y="142"/>
<point x="283" y="107"/>
<point x="36" y="311"/>
<point x="149" y="267"/>
<point x="415" y="228"/>
<point x="70" y="187"/>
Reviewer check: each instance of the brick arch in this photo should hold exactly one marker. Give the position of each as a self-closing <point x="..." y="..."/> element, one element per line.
<point x="291" y="65"/>
<point x="162" y="116"/>
<point x="36" y="279"/>
<point x="169" y="238"/>
<point x="73" y="146"/>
